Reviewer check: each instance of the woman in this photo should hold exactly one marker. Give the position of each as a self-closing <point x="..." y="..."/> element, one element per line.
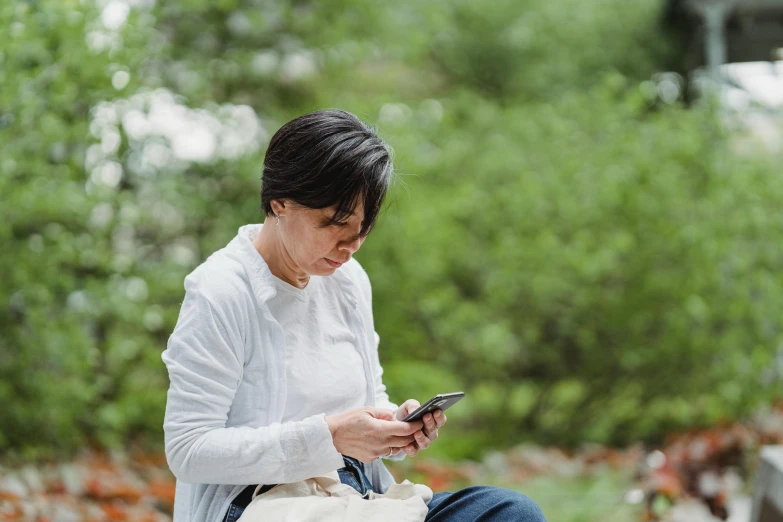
<point x="273" y="363"/>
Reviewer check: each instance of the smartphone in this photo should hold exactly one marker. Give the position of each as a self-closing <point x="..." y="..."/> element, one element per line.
<point x="442" y="401"/>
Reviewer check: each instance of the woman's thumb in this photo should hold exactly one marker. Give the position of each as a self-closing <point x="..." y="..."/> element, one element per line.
<point x="383" y="414"/>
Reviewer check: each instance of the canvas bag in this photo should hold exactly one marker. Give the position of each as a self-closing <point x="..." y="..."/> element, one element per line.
<point x="325" y="498"/>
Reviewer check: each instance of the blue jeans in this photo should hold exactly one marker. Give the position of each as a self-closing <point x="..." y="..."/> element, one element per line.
<point x="471" y="504"/>
<point x="355" y="475"/>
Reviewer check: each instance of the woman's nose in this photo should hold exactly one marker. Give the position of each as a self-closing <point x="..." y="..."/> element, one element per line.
<point x="352" y="245"/>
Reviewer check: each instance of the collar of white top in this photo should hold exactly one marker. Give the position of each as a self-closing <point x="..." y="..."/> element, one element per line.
<point x="300" y="293"/>
<point x="261" y="278"/>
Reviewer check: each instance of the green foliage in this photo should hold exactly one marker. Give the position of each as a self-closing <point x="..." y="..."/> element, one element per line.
<point x="584" y="264"/>
<point x="606" y="271"/>
<point x="538" y="49"/>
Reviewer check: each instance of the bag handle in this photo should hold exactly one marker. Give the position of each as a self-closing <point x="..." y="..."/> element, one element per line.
<point x="329" y="482"/>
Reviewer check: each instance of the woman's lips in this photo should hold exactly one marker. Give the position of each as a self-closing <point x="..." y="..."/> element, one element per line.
<point x="333" y="264"/>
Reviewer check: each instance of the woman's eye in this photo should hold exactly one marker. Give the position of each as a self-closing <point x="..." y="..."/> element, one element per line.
<point x="328" y="223"/>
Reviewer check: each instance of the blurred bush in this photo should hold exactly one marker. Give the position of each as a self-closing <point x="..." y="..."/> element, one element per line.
<point x="587" y="262"/>
<point x="597" y="272"/>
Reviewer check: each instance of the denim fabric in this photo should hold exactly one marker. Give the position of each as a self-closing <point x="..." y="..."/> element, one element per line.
<point x="483" y="504"/>
<point x="355" y="475"/>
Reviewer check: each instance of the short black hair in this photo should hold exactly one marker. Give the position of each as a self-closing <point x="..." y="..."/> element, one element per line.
<point x="325" y="158"/>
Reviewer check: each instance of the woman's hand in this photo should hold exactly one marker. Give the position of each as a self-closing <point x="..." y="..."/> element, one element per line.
<point x="368" y="433"/>
<point x="424" y="437"/>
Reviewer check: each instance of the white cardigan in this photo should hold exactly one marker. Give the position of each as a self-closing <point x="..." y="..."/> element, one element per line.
<point x="226" y="364"/>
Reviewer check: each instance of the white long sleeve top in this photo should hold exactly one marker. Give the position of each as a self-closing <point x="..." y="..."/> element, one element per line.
<point x="323" y="368"/>
<point x="224" y="425"/>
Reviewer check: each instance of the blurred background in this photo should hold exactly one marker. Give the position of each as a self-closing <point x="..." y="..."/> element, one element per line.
<point x="586" y="237"/>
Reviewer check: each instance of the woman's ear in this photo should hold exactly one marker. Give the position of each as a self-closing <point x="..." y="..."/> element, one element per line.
<point x="278" y="206"/>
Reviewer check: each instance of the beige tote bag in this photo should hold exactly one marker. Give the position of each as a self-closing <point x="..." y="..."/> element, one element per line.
<point x="325" y="498"/>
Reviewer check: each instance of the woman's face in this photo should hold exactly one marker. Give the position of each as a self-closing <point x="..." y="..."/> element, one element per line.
<point x="313" y="248"/>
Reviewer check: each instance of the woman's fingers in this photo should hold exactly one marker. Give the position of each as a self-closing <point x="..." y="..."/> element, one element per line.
<point x="440" y="418"/>
<point x="430" y="432"/>
<point x="422" y="441"/>
<point x="399" y="427"/>
<point x="411" y="449"/>
<point x="421" y="438"/>
<point x="406" y="407"/>
<point x="429" y="422"/>
<point x="433" y="422"/>
<point x="400" y="442"/>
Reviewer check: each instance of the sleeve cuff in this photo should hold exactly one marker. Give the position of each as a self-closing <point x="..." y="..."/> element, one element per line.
<point x="321" y="445"/>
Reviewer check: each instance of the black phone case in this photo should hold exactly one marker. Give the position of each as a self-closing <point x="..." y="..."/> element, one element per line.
<point x="442" y="401"/>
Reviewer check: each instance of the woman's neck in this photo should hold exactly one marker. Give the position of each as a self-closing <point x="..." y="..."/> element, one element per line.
<point x="269" y="245"/>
